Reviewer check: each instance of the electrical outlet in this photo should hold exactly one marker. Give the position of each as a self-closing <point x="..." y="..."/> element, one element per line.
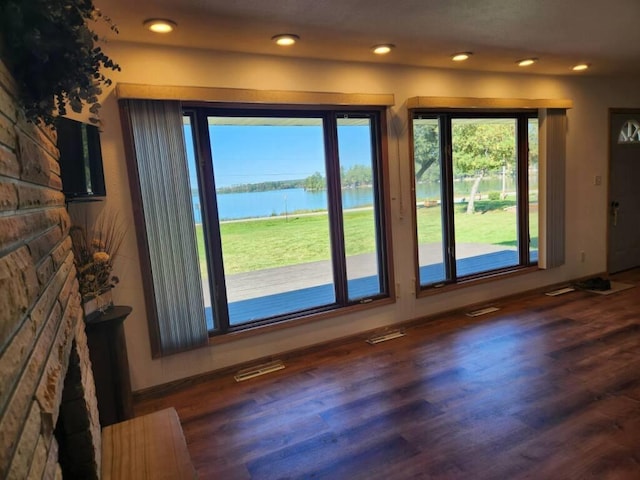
<point x="597" y="180"/>
<point x="583" y="256"/>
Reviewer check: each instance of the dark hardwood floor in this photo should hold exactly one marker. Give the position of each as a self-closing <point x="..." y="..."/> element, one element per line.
<point x="546" y="388"/>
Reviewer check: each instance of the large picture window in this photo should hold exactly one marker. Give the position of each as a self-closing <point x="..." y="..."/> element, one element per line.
<point x="476" y="194"/>
<point x="288" y="211"/>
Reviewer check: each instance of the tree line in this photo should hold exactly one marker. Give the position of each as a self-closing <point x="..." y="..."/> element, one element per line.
<point x="262" y="186"/>
<point x="353" y="177"/>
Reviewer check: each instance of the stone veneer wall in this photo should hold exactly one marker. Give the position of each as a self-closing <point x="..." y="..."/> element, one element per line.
<point x="41" y="322"/>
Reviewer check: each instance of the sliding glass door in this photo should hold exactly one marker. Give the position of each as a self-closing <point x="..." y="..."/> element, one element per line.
<point x="356" y="151"/>
<point x="275" y="246"/>
<point x="475" y="193"/>
<point x="290" y="212"/>
<point x="484" y="194"/>
<point x="430" y="207"/>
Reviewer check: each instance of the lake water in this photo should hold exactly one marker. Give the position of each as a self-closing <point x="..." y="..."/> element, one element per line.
<point x="295" y="200"/>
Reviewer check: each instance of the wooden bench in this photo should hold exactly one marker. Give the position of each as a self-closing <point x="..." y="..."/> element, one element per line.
<point x="147" y="447"/>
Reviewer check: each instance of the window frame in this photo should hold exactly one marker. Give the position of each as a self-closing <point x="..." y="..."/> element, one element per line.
<point x="198" y="113"/>
<point x="445" y="117"/>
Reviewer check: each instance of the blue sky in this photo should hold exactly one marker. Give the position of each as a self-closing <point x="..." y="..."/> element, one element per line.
<point x="253" y="154"/>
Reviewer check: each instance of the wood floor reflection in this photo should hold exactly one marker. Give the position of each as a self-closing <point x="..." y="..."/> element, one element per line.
<point x="546" y="388"/>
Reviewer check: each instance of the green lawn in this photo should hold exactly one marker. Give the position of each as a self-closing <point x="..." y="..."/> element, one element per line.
<point x="258" y="244"/>
<point x="493" y="223"/>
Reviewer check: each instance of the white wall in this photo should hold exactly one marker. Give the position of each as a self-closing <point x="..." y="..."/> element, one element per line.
<point x="587" y="156"/>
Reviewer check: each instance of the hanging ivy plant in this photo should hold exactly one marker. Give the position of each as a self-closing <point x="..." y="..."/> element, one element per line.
<point x="52" y="54"/>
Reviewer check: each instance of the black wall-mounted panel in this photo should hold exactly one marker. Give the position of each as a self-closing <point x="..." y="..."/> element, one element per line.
<point x="80" y="160"/>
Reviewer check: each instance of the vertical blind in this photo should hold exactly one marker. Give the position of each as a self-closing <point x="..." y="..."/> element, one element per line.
<point x="553" y="139"/>
<point x="160" y="157"/>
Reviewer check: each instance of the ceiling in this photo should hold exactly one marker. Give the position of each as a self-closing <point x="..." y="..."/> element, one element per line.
<point x="561" y="33"/>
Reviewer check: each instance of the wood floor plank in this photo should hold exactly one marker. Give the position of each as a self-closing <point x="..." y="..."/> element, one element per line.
<point x="547" y="387"/>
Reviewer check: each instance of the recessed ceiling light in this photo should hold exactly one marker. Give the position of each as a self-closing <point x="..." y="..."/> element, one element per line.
<point x="285" y="39"/>
<point x="382" y="49"/>
<point x="525" y="62"/>
<point x="461" y="56"/>
<point x="580" y="67"/>
<point x="160" y="25"/>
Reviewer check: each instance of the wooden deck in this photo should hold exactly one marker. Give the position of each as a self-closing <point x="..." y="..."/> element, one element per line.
<point x="277" y="291"/>
<point x="546" y="388"/>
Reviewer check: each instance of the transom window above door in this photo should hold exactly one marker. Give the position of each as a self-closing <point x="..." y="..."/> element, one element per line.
<point x="629" y="132"/>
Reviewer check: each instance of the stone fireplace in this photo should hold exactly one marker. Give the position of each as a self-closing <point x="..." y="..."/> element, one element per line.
<point x="48" y="410"/>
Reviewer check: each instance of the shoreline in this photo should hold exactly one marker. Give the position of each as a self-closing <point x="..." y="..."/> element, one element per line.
<point x="287" y="215"/>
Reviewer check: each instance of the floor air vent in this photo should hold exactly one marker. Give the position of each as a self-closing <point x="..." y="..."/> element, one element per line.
<point x="560" y="291"/>
<point x="385" y="336"/>
<point x="482" y="311"/>
<point x="258" y="370"/>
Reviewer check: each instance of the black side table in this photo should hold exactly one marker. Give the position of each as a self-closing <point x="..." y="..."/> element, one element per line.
<point x="108" y="353"/>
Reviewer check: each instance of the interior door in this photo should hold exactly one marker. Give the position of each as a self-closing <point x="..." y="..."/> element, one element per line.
<point x="624" y="191"/>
